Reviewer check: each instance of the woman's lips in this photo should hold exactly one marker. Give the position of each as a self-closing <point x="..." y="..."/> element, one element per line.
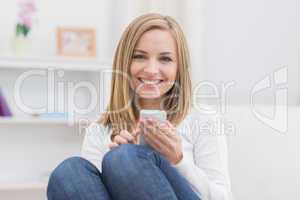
<point x="150" y="82"/>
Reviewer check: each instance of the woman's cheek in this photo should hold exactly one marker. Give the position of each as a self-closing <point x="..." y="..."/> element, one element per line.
<point x="134" y="69"/>
<point x="165" y="88"/>
<point x="135" y="84"/>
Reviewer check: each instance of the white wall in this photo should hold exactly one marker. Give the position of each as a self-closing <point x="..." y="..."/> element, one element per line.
<point x="247" y="40"/>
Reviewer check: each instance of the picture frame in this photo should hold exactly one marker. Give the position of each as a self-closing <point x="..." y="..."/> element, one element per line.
<point x="76" y="42"/>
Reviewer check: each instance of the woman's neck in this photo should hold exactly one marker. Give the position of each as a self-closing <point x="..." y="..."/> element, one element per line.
<point x="150" y="104"/>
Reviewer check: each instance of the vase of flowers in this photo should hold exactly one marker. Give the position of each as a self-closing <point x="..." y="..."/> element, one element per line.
<point x="22" y="41"/>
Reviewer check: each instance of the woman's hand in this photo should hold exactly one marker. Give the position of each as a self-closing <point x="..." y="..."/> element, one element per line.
<point x="163" y="138"/>
<point x="123" y="138"/>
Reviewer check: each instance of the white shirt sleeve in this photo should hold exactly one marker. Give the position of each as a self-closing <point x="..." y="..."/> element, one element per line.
<point x="95" y="144"/>
<point x="207" y="169"/>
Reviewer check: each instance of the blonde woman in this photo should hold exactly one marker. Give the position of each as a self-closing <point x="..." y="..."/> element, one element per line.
<point x="179" y="161"/>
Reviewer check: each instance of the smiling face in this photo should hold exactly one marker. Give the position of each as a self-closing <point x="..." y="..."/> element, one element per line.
<point x="154" y="65"/>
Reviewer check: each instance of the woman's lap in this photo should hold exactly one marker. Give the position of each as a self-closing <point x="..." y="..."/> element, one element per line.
<point x="128" y="172"/>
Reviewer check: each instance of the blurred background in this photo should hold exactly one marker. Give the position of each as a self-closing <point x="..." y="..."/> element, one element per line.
<point x="55" y="61"/>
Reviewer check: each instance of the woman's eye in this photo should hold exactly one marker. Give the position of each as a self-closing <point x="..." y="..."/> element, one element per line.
<point x="166" y="59"/>
<point x="137" y="56"/>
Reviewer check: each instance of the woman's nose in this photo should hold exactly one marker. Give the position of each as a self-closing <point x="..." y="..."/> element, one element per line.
<point x="151" y="67"/>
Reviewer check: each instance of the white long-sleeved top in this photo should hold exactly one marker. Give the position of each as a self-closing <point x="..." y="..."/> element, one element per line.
<point x="204" y="162"/>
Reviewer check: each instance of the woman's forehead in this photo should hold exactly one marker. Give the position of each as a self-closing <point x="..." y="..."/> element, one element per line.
<point x="157" y="40"/>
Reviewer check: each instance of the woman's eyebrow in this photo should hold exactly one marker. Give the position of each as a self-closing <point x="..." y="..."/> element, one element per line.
<point x="139" y="50"/>
<point x="162" y="53"/>
<point x="166" y="53"/>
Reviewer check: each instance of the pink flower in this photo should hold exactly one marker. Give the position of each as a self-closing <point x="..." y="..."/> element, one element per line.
<point x="27" y="9"/>
<point x="25" y="19"/>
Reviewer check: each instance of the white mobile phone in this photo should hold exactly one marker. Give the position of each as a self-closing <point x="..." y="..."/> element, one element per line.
<point x="159" y="115"/>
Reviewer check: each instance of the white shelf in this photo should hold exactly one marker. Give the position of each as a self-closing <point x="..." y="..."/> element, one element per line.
<point x="33" y="121"/>
<point x="54" y="63"/>
<point x="23" y="186"/>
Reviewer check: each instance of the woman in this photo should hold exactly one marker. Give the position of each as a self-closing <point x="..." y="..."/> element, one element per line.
<point x="151" y="66"/>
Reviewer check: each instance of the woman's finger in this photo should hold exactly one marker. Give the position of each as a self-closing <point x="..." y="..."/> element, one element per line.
<point x="120" y="140"/>
<point x="170" y="125"/>
<point x="112" y="145"/>
<point x="126" y="135"/>
<point x="135" y="133"/>
<point x="137" y="130"/>
<point x="151" y="126"/>
<point x="168" y="130"/>
<point x="159" y="133"/>
<point x="152" y="141"/>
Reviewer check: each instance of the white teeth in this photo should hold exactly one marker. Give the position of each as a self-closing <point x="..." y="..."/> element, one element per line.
<point x="150" y="81"/>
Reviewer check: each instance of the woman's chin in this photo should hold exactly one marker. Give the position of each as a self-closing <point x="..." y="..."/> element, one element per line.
<point x="149" y="95"/>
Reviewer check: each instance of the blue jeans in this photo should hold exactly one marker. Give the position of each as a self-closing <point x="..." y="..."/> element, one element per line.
<point x="129" y="172"/>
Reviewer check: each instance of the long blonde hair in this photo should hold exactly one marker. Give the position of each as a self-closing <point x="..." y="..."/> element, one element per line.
<point x="122" y="112"/>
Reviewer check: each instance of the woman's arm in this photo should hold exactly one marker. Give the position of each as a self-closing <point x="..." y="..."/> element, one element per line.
<point x="207" y="169"/>
<point x="95" y="144"/>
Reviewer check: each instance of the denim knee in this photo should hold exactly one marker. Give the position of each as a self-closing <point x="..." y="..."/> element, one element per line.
<point x="130" y="170"/>
<point x="65" y="168"/>
<point x="116" y="158"/>
<point x="64" y="172"/>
